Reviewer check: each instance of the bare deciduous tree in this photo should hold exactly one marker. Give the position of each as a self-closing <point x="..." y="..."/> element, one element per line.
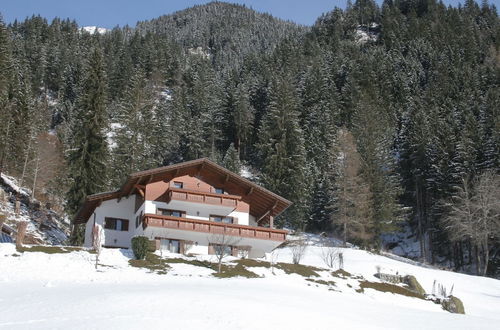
<point x="475" y="216"/>
<point x="353" y="208"/>
<point x="273" y="258"/>
<point x="298" y="250"/>
<point x="222" y="245"/>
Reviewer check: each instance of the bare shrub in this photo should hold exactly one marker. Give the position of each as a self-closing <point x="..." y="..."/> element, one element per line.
<point x="298" y="250"/>
<point x="273" y="258"/>
<point x="222" y="245"/>
<point x="330" y="255"/>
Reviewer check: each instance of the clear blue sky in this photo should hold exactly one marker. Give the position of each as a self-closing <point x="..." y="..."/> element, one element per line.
<point x="109" y="13"/>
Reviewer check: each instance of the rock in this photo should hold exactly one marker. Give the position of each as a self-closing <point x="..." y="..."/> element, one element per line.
<point x="413" y="284"/>
<point x="453" y="305"/>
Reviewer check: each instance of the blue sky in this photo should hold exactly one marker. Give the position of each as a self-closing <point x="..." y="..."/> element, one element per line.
<point x="109" y="13"/>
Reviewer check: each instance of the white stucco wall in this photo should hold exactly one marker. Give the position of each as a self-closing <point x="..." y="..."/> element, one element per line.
<point x="112" y="208"/>
<point x="125" y="209"/>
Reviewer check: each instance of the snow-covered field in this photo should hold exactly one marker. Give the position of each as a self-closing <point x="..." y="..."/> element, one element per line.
<point x="64" y="291"/>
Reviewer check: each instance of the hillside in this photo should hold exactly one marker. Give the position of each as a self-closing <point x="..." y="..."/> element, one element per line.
<point x="45" y="226"/>
<point x="223" y="31"/>
<point x="63" y="290"/>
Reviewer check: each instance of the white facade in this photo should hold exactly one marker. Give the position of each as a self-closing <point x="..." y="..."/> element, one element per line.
<point x="125" y="209"/>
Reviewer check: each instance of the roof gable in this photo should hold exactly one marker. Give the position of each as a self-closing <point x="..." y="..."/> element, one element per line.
<point x="261" y="200"/>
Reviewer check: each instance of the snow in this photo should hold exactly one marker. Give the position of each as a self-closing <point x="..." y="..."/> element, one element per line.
<point x="12" y="183"/>
<point x="111" y="134"/>
<point x="62" y="291"/>
<point x="93" y="29"/>
<point x="51" y="233"/>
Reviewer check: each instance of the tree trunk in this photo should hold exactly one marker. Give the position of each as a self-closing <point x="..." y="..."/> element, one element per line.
<point x="486" y="256"/>
<point x="478" y="260"/>
<point x="345" y="234"/>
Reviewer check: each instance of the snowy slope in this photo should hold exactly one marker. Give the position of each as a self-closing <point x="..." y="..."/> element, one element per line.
<point x="44" y="226"/>
<point x="64" y="291"/>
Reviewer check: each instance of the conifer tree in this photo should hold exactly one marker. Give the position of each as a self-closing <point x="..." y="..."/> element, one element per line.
<point x="133" y="148"/>
<point x="87" y="159"/>
<point x="282" y="151"/>
<point x="231" y="160"/>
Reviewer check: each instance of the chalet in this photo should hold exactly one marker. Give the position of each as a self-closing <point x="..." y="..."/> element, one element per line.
<point x="183" y="207"/>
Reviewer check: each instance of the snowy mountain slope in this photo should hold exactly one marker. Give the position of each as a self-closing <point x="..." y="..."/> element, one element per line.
<point x="62" y="291"/>
<point x="44" y="225"/>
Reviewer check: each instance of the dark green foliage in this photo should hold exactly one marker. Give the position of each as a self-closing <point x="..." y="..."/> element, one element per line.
<point x="140" y="246"/>
<point x="87" y="159"/>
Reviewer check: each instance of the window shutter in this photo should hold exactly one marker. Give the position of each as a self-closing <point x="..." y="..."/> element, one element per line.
<point x="124" y="225"/>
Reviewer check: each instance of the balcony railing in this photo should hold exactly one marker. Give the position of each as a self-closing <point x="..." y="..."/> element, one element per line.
<point x="205" y="226"/>
<point x="194" y="196"/>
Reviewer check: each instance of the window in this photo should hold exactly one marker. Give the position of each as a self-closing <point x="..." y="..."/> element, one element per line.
<point x="219" y="190"/>
<point x="219" y="218"/>
<point x="116" y="224"/>
<point x="171" y="245"/>
<point x="171" y="213"/>
<point x="138" y="219"/>
<point x="178" y="184"/>
<point x="222" y="250"/>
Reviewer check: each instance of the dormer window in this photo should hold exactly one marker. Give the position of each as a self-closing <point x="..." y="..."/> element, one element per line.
<point x="219" y="190"/>
<point x="178" y="184"/>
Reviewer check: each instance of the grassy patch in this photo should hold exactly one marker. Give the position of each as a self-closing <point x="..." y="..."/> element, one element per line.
<point x="328" y="283"/>
<point x="341" y="274"/>
<point x="387" y="287"/>
<point x="306" y="271"/>
<point x="152" y="262"/>
<point x="197" y="263"/>
<point x="52" y="249"/>
<point x="253" y="263"/>
<point x="228" y="271"/>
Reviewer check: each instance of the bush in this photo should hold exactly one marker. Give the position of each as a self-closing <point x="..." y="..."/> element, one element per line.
<point x="140" y="246"/>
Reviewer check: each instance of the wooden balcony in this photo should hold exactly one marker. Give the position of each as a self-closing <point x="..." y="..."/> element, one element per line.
<point x="205" y="226"/>
<point x="194" y="196"/>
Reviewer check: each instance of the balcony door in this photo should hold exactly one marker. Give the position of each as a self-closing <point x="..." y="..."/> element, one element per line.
<point x="170" y="245"/>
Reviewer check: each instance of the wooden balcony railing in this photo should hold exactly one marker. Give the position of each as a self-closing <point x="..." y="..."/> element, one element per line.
<point x="205" y="226"/>
<point x="180" y="194"/>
